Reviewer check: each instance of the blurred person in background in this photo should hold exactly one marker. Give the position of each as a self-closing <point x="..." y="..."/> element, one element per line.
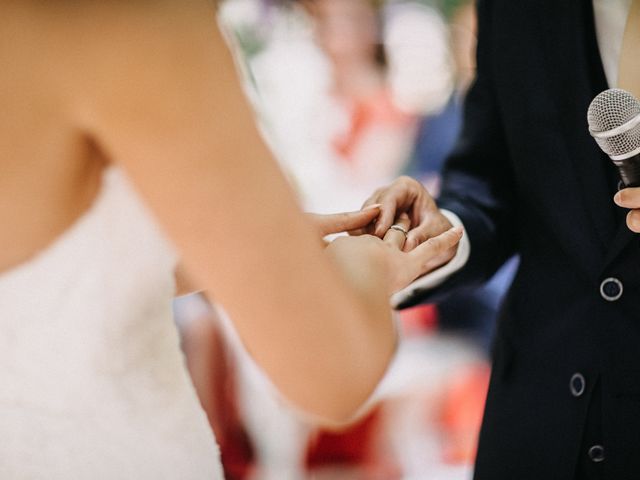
<point x="137" y="147"/>
<point x="378" y="134"/>
<point x="338" y="87"/>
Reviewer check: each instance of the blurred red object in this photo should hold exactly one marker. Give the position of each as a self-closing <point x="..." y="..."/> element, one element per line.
<point x="419" y="320"/>
<point x="213" y="371"/>
<point x="354" y="448"/>
<point x="462" y="412"/>
<point x="376" y="110"/>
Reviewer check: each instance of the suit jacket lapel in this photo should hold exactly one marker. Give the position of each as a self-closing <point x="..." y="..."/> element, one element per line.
<point x="623" y="237"/>
<point x="575" y="74"/>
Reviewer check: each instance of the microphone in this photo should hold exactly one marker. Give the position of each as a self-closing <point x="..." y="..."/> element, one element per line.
<point x="614" y="122"/>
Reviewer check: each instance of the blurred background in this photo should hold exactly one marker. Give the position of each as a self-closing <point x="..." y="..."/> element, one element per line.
<point x="350" y="94"/>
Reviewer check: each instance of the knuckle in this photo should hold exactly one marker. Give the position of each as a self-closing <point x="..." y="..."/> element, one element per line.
<point x="433" y="242"/>
<point x="422" y="236"/>
<point x="390" y="247"/>
<point x="404" y="181"/>
<point x="419" y="235"/>
<point x="408" y="179"/>
<point x="433" y="221"/>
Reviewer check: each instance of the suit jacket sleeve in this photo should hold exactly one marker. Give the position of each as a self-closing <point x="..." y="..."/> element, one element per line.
<point x="478" y="182"/>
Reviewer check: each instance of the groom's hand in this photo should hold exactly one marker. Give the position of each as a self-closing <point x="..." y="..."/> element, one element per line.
<point x="630" y="198"/>
<point x="407" y="195"/>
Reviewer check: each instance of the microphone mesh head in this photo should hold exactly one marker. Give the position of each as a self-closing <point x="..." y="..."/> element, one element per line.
<point x="612" y="109"/>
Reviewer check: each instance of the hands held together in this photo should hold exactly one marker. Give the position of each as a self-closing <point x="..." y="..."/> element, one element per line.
<point x="402" y="225"/>
<point x="399" y="225"/>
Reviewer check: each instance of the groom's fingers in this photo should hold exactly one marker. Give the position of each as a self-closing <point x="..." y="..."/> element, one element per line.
<point x="432" y="223"/>
<point x="343" y="222"/>
<point x="388" y="213"/>
<point x="422" y="232"/>
<point x="396" y="235"/>
<point x="427" y="255"/>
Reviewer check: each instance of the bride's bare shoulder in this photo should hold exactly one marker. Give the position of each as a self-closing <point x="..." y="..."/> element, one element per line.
<point x="83" y="68"/>
<point x="95" y="33"/>
<point x="100" y="51"/>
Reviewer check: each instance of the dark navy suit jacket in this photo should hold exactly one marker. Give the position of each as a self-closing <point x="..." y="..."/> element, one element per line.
<point x="527" y="178"/>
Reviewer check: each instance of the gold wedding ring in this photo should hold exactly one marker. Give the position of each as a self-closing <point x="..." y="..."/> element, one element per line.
<point x="399" y="228"/>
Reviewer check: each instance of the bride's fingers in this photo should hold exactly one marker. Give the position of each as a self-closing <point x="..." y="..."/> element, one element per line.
<point x="424" y="254"/>
<point x="342" y="222"/>
<point x="397" y="233"/>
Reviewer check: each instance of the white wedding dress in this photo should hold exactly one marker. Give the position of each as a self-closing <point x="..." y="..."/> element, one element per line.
<point x="92" y="381"/>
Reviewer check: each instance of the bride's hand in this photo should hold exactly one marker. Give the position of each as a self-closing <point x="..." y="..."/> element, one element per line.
<point x="401" y="268"/>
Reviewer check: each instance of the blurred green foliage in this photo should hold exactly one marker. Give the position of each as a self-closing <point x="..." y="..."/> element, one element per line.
<point x="446" y="7"/>
<point x="251" y="40"/>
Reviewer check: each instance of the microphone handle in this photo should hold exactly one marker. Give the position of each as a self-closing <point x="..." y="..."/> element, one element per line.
<point x="629" y="170"/>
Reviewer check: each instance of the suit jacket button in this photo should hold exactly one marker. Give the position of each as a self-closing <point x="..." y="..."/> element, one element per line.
<point x="596" y="453"/>
<point x="611" y="289"/>
<point x="577" y="384"/>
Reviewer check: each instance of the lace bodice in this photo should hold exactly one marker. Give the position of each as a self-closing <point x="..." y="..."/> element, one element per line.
<point x="93" y="382"/>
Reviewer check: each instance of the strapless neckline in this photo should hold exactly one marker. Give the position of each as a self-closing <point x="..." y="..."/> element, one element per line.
<point x="94" y="384"/>
<point x="40" y="256"/>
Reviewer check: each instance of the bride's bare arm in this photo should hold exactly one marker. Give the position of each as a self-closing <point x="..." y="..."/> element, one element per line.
<point x="159" y="93"/>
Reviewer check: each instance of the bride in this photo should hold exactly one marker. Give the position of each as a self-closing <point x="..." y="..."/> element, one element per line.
<point x="125" y="144"/>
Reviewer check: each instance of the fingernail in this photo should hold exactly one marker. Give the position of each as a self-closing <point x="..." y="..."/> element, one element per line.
<point x="617" y="198"/>
<point x="458" y="230"/>
<point x="371" y="207"/>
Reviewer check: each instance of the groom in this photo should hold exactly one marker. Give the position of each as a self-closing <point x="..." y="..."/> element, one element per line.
<point x="526" y="178"/>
